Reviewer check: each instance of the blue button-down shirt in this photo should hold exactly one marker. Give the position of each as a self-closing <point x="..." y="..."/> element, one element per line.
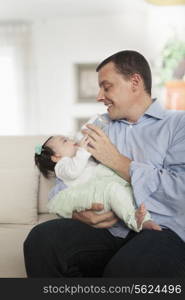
<point x="156" y="146"/>
<point x="59" y="186"/>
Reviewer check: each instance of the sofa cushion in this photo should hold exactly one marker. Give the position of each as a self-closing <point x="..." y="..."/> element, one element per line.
<point x="19" y="179"/>
<point x="12" y="237"/>
<point x="18" y="195"/>
<point x="44" y="187"/>
<point x="11" y="250"/>
<point x="18" y="151"/>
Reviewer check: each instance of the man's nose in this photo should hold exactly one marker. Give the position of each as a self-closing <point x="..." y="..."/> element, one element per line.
<point x="100" y="96"/>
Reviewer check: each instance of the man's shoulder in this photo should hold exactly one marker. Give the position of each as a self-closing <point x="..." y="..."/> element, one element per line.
<point x="175" y="119"/>
<point x="174" y="115"/>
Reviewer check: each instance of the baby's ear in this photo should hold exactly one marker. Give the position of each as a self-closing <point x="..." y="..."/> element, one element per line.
<point x="55" y="158"/>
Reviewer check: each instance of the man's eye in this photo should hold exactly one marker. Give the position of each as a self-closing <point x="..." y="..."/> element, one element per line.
<point x="106" y="89"/>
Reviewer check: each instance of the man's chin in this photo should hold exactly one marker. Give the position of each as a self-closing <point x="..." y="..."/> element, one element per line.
<point x="113" y="117"/>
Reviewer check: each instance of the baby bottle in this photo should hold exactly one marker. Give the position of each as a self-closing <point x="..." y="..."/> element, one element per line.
<point x="98" y="120"/>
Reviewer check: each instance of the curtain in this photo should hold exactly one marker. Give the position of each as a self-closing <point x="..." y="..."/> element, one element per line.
<point x="14" y="69"/>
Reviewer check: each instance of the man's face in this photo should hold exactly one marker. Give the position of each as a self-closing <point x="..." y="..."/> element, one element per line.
<point x="115" y="92"/>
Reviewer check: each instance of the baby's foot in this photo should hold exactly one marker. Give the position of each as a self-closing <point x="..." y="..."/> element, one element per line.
<point x="140" y="214"/>
<point x="151" y="225"/>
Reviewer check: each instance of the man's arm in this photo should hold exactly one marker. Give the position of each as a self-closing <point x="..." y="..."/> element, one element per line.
<point x="91" y="218"/>
<point x="163" y="189"/>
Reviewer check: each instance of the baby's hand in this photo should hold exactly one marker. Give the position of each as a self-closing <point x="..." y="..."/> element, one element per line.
<point x="84" y="142"/>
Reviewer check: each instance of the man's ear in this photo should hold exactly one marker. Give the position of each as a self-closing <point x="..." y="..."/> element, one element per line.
<point x="136" y="81"/>
<point x="55" y="158"/>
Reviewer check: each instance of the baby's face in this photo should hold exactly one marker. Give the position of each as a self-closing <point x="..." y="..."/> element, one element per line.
<point x="62" y="146"/>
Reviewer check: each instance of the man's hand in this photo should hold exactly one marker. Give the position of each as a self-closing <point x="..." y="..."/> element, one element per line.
<point x="90" y="217"/>
<point x="105" y="152"/>
<point x="100" y="145"/>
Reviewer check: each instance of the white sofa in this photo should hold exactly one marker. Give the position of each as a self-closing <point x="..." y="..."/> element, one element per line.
<point x="24" y="194"/>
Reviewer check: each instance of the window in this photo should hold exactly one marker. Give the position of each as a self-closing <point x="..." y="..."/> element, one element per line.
<point x="12" y="80"/>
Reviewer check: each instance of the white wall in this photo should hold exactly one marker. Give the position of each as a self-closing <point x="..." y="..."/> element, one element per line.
<point x="60" y="43"/>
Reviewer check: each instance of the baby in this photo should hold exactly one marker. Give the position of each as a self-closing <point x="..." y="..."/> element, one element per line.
<point x="88" y="182"/>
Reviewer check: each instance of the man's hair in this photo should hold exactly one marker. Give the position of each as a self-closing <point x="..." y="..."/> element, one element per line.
<point x="129" y="62"/>
<point x="43" y="160"/>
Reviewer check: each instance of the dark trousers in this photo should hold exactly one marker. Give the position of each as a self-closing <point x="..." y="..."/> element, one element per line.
<point x="69" y="248"/>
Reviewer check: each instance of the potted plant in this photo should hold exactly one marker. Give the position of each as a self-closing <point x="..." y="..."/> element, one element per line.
<point x="173" y="74"/>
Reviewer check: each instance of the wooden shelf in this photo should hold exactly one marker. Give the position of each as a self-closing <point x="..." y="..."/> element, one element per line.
<point x="166" y="2"/>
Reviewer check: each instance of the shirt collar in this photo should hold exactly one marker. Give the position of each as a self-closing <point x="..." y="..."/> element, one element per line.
<point x="155" y="110"/>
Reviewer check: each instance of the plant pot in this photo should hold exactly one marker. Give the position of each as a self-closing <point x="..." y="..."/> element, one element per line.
<point x="175" y="95"/>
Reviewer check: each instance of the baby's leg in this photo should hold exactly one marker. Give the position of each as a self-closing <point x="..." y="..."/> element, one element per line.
<point x="122" y="203"/>
<point x="143" y="220"/>
<point x="69" y="200"/>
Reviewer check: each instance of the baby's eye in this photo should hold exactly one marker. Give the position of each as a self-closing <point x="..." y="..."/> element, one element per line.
<point x="65" y="140"/>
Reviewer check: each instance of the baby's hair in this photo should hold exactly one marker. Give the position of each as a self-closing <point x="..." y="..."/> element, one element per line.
<point x="43" y="160"/>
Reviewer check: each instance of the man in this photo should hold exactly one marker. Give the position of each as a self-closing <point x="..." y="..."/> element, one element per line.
<point x="145" y="145"/>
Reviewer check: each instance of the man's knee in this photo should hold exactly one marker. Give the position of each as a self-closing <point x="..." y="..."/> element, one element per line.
<point x="46" y="234"/>
<point x="32" y="238"/>
<point x="38" y="235"/>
